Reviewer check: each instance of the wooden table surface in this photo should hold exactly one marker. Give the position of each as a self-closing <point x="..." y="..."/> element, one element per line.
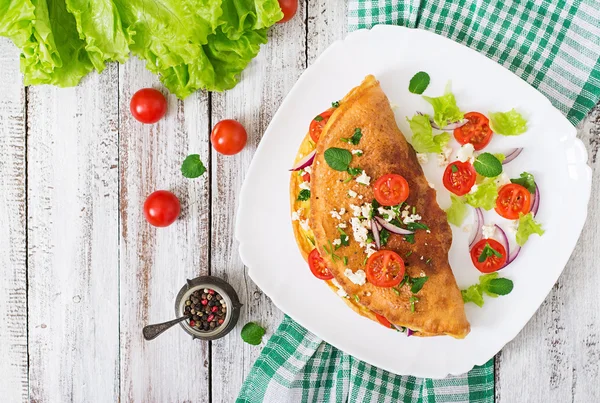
<point x="81" y="272"/>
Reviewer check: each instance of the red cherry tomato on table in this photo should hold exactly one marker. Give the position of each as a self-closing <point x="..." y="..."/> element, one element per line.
<point x="318" y="267"/>
<point x="161" y="208"/>
<point x="477" y="131"/>
<point x="385" y="269"/>
<point x="148" y="105"/>
<point x="318" y="123"/>
<point x="228" y="137"/>
<point x="390" y="189"/>
<point x="512" y="201"/>
<point x="459" y="177"/>
<point x="289" y="8"/>
<point x="383" y="320"/>
<point x="492" y="261"/>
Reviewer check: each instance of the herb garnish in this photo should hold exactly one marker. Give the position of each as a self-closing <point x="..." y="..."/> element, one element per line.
<point x="487" y="165"/>
<point x="454" y="168"/>
<point x="344" y="237"/>
<point x="396" y="291"/>
<point x="354" y="171"/>
<point x="335" y="104"/>
<point x="409" y="253"/>
<point x="356" y="298"/>
<point x="355" y="139"/>
<point x="303" y="195"/>
<point x="527" y="181"/>
<point x="252" y="333"/>
<point x="404" y="280"/>
<point x="419" y="83"/>
<point x="338" y="158"/>
<point x="384" y="236"/>
<point x="489" y="284"/>
<point x="192" y="166"/>
<point x="417" y="283"/>
<point x="488" y="251"/>
<point x="331" y="251"/>
<point x="345" y="259"/>
<point x="318" y="118"/>
<point x="409" y="238"/>
<point x="311" y="240"/>
<point x="413" y="226"/>
<point x="412" y="301"/>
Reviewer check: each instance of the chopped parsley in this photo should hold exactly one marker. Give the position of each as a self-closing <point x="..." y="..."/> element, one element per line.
<point x="417" y="283"/>
<point x="318" y="118"/>
<point x="396" y="291"/>
<point x="409" y="238"/>
<point x="454" y="168"/>
<point x="413" y="226"/>
<point x="354" y="171"/>
<point x="303" y="195"/>
<point x="355" y="139"/>
<point x="335" y="104"/>
<point x="404" y="280"/>
<point x="344" y="237"/>
<point x="345" y="259"/>
<point x="384" y="236"/>
<point x="409" y="253"/>
<point x="412" y="301"/>
<point x="356" y="298"/>
<point x="311" y="240"/>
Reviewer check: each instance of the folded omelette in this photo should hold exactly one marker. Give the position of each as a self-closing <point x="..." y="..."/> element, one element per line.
<point x="389" y="262"/>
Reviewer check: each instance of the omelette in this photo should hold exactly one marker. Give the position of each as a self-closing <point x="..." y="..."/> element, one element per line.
<point x="367" y="220"/>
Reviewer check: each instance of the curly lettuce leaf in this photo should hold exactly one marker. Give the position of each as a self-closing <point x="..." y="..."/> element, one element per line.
<point x="423" y="140"/>
<point x="457" y="211"/>
<point x="527" y="227"/>
<point x="490" y="285"/>
<point x="485" y="194"/>
<point x="509" y="123"/>
<point x="445" y="110"/>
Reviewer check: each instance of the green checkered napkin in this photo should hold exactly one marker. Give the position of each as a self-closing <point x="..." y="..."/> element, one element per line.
<point x="297" y="366"/>
<point x="554" y="46"/>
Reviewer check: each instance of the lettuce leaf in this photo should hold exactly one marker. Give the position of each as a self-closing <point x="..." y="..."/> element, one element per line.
<point x="423" y="140"/>
<point x="190" y="44"/>
<point x="457" y="211"/>
<point x="527" y="226"/>
<point x="484" y="195"/>
<point x="445" y="110"/>
<point x="490" y="285"/>
<point x="509" y="123"/>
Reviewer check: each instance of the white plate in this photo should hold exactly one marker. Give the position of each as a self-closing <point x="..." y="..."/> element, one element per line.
<point x="552" y="153"/>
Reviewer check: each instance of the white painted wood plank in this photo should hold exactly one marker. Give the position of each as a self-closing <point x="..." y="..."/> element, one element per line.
<point x="155" y="262"/>
<point x="253" y="102"/>
<point x="556" y="358"/>
<point x="13" y="254"/>
<point x="326" y="24"/>
<point x="73" y="240"/>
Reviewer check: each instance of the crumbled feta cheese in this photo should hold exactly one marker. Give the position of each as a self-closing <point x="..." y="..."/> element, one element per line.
<point x="342" y="211"/>
<point x="512" y="227"/>
<point x="336" y="242"/>
<point x="387" y="214"/>
<point x="423" y="158"/>
<point x="304" y="224"/>
<point x="308" y="169"/>
<point x="370" y="249"/>
<point x="367" y="294"/>
<point x="404" y="214"/>
<point x="305" y="185"/>
<point x="356" y="211"/>
<point x="295" y="216"/>
<point x="502" y="180"/>
<point x="422" y="257"/>
<point x="473" y="189"/>
<point x="467" y="228"/>
<point x="352" y="193"/>
<point x="359" y="231"/>
<point x="363" y="178"/>
<point x="340" y="290"/>
<point x="488" y="231"/>
<point x="366" y="210"/>
<point x="360" y="197"/>
<point x="411" y="218"/>
<point x="342" y="225"/>
<point x="357" y="152"/>
<point x="335" y="214"/>
<point x="465" y="152"/>
<point x="444" y="155"/>
<point x="394" y="106"/>
<point x="431" y="185"/>
<point x="359" y="277"/>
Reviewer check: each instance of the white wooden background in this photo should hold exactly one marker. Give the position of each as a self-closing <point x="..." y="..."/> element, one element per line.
<point x="81" y="272"/>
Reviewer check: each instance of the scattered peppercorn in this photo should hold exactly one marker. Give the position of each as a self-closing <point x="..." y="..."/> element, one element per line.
<point x="207" y="309"/>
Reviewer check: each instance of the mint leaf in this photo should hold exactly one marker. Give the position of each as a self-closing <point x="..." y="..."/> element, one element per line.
<point x="487" y="165"/>
<point x="418" y="283"/>
<point x="344" y="238"/>
<point x="192" y="166"/>
<point x="500" y="286"/>
<point x="419" y="83"/>
<point x="252" y="333"/>
<point x="338" y="158"/>
<point x="488" y="251"/>
<point x="303" y="195"/>
<point x="527" y="181"/>
<point x="355" y="139"/>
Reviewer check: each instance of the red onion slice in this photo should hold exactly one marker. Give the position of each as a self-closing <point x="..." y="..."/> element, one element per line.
<point x="477" y="235"/>
<point x="513" y="255"/>
<point x="409" y="332"/>
<point x="504" y="241"/>
<point x="375" y="230"/>
<point x="392" y="228"/>
<point x="536" y="200"/>
<point x="304" y="162"/>
<point x="449" y="127"/>
<point x="512" y="155"/>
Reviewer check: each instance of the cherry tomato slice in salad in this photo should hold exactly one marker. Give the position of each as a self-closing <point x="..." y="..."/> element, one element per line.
<point x="383" y="320"/>
<point x="459" y="177"/>
<point x="477" y="131"/>
<point x="385" y="268"/>
<point x="306" y="177"/>
<point x="161" y="208"/>
<point x="492" y="262"/>
<point x="513" y="200"/>
<point x="318" y="267"/>
<point x="228" y="137"/>
<point x="318" y="123"/>
<point x="390" y="189"/>
<point x="289" y="9"/>
<point x="148" y="105"/>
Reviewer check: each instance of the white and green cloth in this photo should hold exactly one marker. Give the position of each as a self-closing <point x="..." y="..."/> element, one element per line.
<point x="555" y="46"/>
